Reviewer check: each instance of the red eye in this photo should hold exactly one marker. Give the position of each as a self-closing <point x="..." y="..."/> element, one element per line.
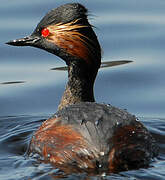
<point x="45" y="32"/>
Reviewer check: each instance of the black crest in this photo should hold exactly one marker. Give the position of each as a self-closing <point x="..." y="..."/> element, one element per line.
<point x="64" y="14"/>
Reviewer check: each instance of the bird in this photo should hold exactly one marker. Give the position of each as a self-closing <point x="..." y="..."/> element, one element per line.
<point x="83" y="135"/>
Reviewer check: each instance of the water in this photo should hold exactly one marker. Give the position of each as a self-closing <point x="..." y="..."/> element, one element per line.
<point x="130" y="29"/>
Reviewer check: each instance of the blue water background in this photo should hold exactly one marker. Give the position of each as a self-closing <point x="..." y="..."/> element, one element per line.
<point x="130" y="29"/>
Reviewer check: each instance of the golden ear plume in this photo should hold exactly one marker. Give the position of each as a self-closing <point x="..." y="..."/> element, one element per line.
<point x="68" y="37"/>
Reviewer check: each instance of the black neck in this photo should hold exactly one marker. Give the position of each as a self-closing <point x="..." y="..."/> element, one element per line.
<point x="80" y="84"/>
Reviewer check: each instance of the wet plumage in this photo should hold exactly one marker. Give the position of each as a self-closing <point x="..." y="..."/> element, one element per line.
<point x="84" y="135"/>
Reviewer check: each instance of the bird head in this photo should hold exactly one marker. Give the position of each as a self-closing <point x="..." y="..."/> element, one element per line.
<point x="65" y="32"/>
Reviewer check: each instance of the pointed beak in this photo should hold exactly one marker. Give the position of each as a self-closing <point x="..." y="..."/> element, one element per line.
<point x="26" y="41"/>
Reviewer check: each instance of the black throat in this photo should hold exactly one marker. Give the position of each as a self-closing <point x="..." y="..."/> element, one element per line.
<point x="81" y="78"/>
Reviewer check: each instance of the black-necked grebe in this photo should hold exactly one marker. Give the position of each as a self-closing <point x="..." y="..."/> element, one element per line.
<point x="84" y="135"/>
